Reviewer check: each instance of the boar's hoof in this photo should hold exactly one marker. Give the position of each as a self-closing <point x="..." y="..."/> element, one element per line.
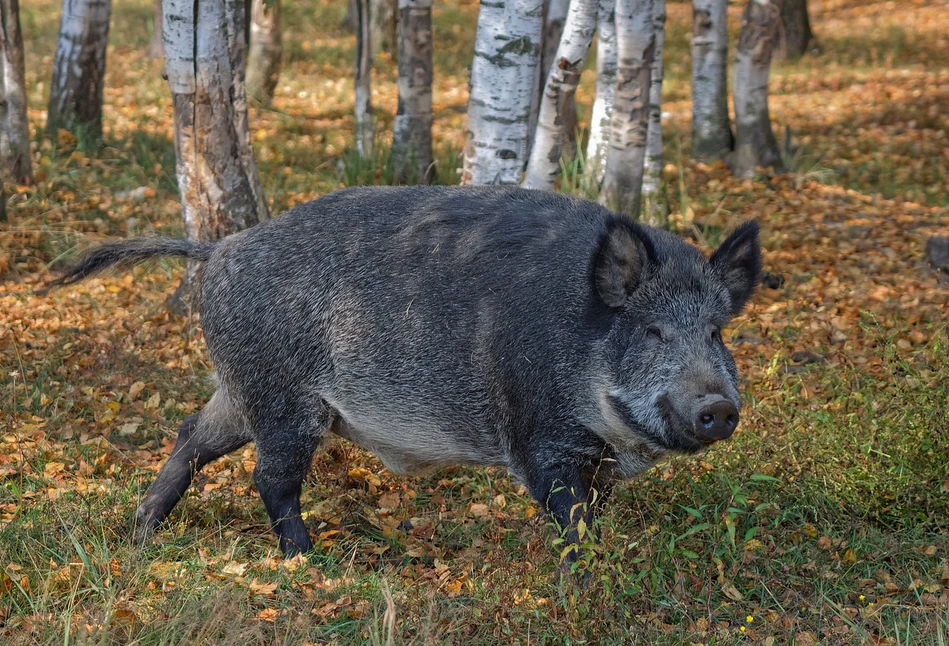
<point x="716" y="421"/>
<point x="145" y="525"/>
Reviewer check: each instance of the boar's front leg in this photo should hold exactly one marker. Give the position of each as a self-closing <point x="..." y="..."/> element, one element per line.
<point x="568" y="497"/>
<point x="285" y="447"/>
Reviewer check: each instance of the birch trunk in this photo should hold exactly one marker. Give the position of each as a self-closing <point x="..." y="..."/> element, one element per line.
<point x="554" y="21"/>
<point x="711" y="130"/>
<point x="412" y="129"/>
<point x="384" y="18"/>
<point x="218" y="181"/>
<point x="156" y="47"/>
<point x="602" y="112"/>
<point x="652" y="174"/>
<point x="75" y="94"/>
<point x="796" y="34"/>
<point x="557" y="102"/>
<point x="635" y="49"/>
<point x="364" y="127"/>
<point x="503" y="75"/>
<point x="15" y="163"/>
<point x="755" y="143"/>
<point x="266" y="48"/>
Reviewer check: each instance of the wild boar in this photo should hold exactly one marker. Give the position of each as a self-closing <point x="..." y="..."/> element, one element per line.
<point x="435" y="326"/>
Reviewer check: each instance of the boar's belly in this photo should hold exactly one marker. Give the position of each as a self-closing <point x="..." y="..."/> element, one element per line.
<point x="413" y="444"/>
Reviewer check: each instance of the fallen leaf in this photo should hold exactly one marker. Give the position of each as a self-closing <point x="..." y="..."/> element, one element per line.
<point x="262" y="588"/>
<point x="235" y="568"/>
<point x="732" y="592"/>
<point x="453" y="589"/>
<point x="478" y="510"/>
<point x="135" y="389"/>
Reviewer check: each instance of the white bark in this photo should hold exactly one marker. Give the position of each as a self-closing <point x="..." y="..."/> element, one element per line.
<point x="412" y="128"/>
<point x="266" y="48"/>
<point x="559" y="90"/>
<point x="755" y="144"/>
<point x="711" y="131"/>
<point x="506" y="58"/>
<point x="553" y="30"/>
<point x="15" y="163"/>
<point x="218" y="180"/>
<point x="364" y="126"/>
<point x="554" y="19"/>
<point x="652" y="175"/>
<point x="75" y="94"/>
<point x="635" y="48"/>
<point x="602" y="112"/>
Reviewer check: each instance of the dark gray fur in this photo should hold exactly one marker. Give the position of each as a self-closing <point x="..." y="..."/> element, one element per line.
<point x="437" y="326"/>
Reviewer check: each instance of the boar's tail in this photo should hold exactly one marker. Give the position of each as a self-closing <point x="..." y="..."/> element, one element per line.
<point x="131" y="252"/>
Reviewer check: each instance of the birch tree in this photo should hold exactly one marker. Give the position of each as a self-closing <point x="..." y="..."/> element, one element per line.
<point x="711" y="131"/>
<point x="795" y="34"/>
<point x="364" y="127"/>
<point x="218" y="181"/>
<point x="384" y="21"/>
<point x="156" y="48"/>
<point x="559" y="90"/>
<point x="506" y="56"/>
<point x="554" y="21"/>
<point x="602" y="112"/>
<point x="352" y="16"/>
<point x="266" y="48"/>
<point x="75" y="94"/>
<point x="755" y="144"/>
<point x="412" y="129"/>
<point x="652" y="175"/>
<point x="635" y="50"/>
<point x="15" y="163"/>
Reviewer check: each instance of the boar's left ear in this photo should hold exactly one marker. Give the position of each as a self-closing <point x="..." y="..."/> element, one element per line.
<point x="621" y="261"/>
<point x="738" y="263"/>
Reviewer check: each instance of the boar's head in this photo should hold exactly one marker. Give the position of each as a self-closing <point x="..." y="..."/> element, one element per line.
<point x="670" y="382"/>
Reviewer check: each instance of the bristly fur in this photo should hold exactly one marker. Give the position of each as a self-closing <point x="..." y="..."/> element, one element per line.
<point x="130" y="252"/>
<point x="445" y="325"/>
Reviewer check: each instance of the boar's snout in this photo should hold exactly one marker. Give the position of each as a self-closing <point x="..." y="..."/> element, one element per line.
<point x="715" y="420"/>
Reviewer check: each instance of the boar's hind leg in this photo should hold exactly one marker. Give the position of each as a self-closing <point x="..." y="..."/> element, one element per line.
<point x="284" y="455"/>
<point x="205" y="436"/>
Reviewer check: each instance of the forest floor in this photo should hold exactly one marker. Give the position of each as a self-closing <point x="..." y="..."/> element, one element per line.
<point x="825" y="520"/>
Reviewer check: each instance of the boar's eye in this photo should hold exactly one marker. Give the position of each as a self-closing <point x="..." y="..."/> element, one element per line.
<point x="716" y="334"/>
<point x="654" y="333"/>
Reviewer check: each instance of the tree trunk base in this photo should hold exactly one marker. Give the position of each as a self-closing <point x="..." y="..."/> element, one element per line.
<point x="184" y="301"/>
<point x="759" y="149"/>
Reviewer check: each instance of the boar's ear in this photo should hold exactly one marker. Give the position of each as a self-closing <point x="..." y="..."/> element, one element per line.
<point x="738" y="263"/>
<point x="621" y="261"/>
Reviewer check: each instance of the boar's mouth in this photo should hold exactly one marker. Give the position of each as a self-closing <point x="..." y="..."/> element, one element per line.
<point x="677" y="437"/>
<point x="682" y="437"/>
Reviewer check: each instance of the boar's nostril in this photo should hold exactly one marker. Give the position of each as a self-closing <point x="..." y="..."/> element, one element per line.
<point x="717" y="421"/>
